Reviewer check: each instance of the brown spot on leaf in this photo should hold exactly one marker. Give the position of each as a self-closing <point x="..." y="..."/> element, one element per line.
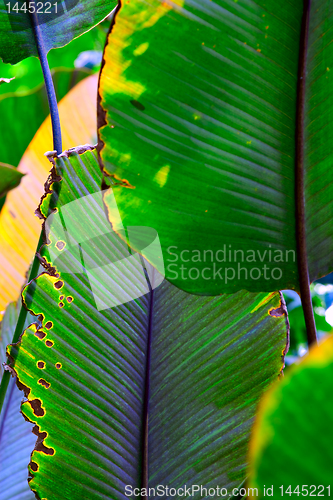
<point x="49" y="325"/>
<point x="62" y="297"/>
<point x="279" y="311"/>
<point x="40" y="334"/>
<point x="49" y="343"/>
<point x="36" y="406"/>
<point x="41" y="365"/>
<point x="58" y="366"/>
<point x="49" y="268"/>
<point x="61" y="304"/>
<point x="40" y="446"/>
<point x="116" y="181"/>
<point x="33" y="466"/>
<point x="45" y="384"/>
<point x="69" y="299"/>
<point x="53" y="177"/>
<point x="58" y="284"/>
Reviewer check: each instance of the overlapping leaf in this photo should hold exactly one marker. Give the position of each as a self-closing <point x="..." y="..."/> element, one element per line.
<point x="58" y="26"/>
<point x="198" y="119"/>
<point x="292" y="440"/>
<point x="86" y="367"/>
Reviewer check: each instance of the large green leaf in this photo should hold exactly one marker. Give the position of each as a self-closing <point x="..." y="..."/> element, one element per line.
<point x="94" y="370"/>
<point x="17" y="40"/>
<point x="10" y="178"/>
<point x="198" y="120"/>
<point x="292" y="439"/>
<point x="16" y="438"/>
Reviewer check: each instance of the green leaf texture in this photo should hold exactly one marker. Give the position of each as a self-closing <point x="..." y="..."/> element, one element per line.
<point x="10" y="178"/>
<point x="318" y="137"/>
<point x="198" y="120"/>
<point x="16" y="35"/>
<point x="200" y="364"/>
<point x="292" y="438"/>
<point x="16" y="438"/>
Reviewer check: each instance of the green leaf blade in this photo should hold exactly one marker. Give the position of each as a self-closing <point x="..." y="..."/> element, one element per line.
<point x="206" y="381"/>
<point x="318" y="141"/>
<point x="87" y="367"/>
<point x="200" y="115"/>
<point x="200" y="122"/>
<point x="95" y="365"/>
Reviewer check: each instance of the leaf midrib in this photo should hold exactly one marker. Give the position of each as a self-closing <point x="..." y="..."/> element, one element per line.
<point x="144" y="474"/>
<point x="302" y="260"/>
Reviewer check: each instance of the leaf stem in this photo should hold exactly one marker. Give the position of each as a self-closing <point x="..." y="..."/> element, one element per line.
<point x="303" y="269"/>
<point x="51" y="95"/>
